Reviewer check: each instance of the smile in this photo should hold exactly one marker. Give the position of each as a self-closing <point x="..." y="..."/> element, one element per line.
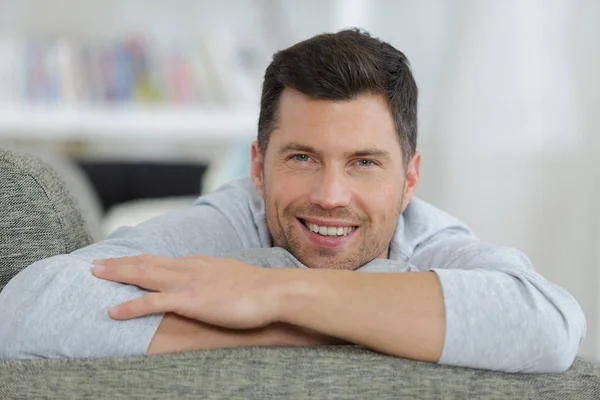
<point x="328" y="230"/>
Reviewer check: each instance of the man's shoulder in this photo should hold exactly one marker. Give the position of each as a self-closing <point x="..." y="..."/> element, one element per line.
<point x="421" y="214"/>
<point x="242" y="206"/>
<point x="423" y="222"/>
<point x="238" y="192"/>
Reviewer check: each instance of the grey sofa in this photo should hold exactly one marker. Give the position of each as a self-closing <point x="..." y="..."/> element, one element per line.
<point x="40" y="219"/>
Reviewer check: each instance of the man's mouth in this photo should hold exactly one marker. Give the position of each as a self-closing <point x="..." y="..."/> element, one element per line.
<point x="328" y="230"/>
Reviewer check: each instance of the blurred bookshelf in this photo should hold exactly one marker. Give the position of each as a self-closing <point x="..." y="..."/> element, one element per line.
<point x="126" y="122"/>
<point x="181" y="72"/>
<point x="126" y="89"/>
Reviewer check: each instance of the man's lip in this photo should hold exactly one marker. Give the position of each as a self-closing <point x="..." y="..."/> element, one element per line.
<point x="331" y="242"/>
<point x="322" y="222"/>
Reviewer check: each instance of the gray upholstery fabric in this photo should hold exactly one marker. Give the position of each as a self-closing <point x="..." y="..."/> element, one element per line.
<point x="39" y="219"/>
<point x="75" y="181"/>
<point x="346" y="372"/>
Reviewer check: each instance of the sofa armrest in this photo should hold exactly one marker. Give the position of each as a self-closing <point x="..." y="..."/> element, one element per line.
<point x="39" y="219"/>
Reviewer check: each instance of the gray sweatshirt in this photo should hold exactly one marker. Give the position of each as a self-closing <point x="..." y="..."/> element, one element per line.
<point x="500" y="313"/>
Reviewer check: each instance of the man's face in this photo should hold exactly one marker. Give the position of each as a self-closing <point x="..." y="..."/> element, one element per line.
<point x="333" y="180"/>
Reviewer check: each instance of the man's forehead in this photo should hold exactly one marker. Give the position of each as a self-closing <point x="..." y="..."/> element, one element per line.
<point x="364" y="122"/>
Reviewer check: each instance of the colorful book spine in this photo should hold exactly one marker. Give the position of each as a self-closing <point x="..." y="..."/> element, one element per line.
<point x="210" y="71"/>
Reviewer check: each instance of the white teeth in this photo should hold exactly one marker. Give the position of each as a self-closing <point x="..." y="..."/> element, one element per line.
<point x="329" y="230"/>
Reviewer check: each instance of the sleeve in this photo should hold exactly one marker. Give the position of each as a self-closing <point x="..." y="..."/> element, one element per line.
<point x="56" y="308"/>
<point x="501" y="314"/>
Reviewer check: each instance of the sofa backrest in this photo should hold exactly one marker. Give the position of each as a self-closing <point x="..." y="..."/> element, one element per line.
<point x="38" y="216"/>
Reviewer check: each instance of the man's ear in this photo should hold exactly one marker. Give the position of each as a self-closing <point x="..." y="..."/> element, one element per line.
<point x="413" y="175"/>
<point x="257" y="169"/>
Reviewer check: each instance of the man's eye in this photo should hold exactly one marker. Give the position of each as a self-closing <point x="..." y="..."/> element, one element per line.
<point x="301" y="157"/>
<point x="365" y="163"/>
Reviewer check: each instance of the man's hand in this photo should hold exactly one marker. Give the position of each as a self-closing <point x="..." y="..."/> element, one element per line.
<point x="217" y="291"/>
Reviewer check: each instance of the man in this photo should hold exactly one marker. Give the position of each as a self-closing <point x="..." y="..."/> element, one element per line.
<point x="334" y="173"/>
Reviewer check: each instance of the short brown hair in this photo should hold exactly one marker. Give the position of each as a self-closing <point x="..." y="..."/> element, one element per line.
<point x="341" y="66"/>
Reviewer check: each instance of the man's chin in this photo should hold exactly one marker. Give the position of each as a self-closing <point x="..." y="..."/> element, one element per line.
<point x="328" y="261"/>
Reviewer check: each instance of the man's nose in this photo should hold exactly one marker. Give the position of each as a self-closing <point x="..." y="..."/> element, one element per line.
<point x="331" y="191"/>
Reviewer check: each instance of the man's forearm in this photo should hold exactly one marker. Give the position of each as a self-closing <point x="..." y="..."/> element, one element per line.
<point x="401" y="314"/>
<point x="177" y="333"/>
<point x="506" y="321"/>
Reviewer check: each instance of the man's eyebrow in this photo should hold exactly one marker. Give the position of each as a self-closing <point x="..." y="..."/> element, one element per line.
<point x="302" y="148"/>
<point x="299" y="147"/>
<point x="374" y="152"/>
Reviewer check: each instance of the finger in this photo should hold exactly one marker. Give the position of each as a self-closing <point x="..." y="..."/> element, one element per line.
<point x="135" y="260"/>
<point x="142" y="271"/>
<point x="152" y="303"/>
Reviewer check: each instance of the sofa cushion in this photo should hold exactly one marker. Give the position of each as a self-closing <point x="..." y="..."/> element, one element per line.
<point x="39" y="219"/>
<point x="327" y="372"/>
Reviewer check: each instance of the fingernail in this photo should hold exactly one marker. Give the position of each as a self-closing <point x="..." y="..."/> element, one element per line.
<point x="99" y="268"/>
<point x="113" y="310"/>
<point x="99" y="261"/>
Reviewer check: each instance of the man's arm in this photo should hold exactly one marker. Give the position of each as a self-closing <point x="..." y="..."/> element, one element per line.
<point x="56" y="308"/>
<point x="177" y="333"/>
<point x="401" y="314"/>
<point x="486" y="308"/>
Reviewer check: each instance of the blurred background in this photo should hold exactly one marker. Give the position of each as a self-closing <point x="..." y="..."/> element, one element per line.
<point x="142" y="105"/>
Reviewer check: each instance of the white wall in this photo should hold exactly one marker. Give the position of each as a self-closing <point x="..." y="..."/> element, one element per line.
<point x="508" y="123"/>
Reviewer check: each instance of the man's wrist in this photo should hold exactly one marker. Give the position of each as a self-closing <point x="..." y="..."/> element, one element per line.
<point x="288" y="288"/>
